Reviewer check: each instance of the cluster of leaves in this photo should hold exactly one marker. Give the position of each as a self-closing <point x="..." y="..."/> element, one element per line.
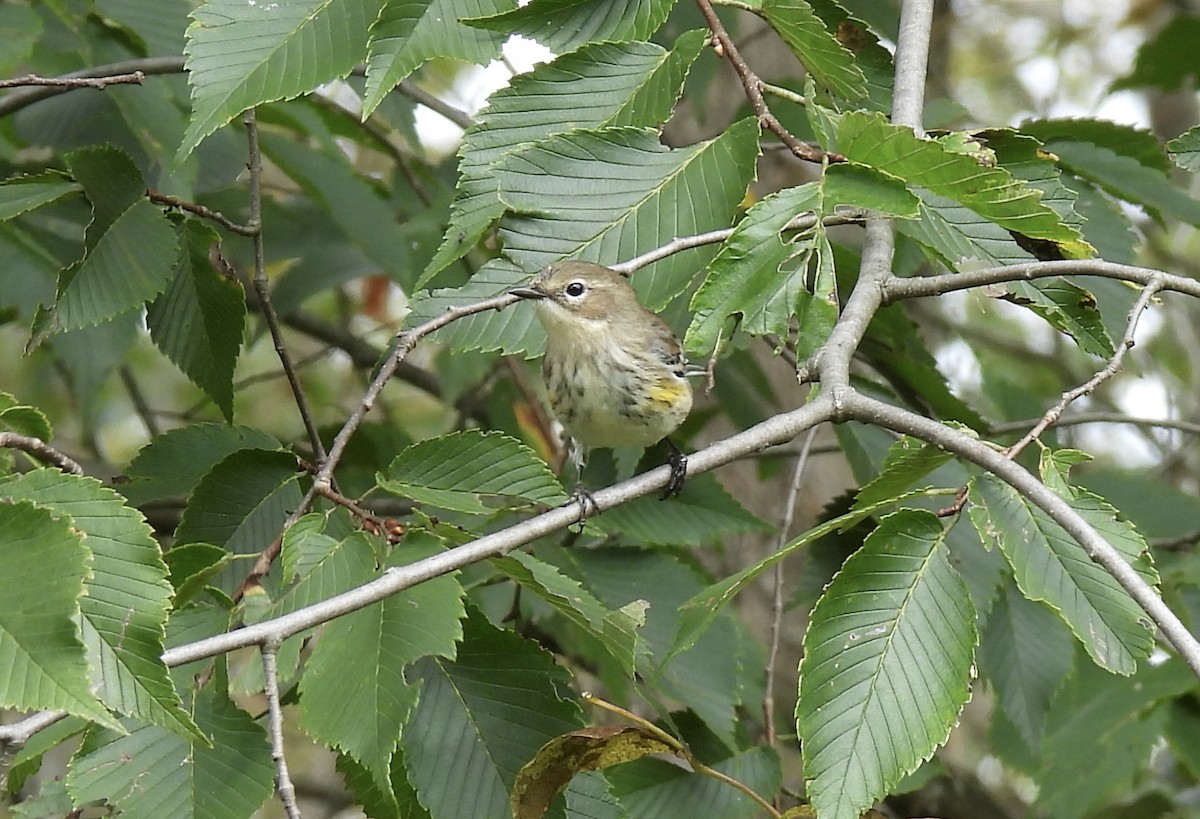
<point x="437" y="699"/>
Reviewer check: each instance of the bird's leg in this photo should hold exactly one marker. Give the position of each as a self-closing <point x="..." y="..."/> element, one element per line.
<point x="678" y="463"/>
<point x="587" y="504"/>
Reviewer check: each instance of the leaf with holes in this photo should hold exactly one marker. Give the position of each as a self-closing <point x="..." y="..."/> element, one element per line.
<point x="887" y="665"/>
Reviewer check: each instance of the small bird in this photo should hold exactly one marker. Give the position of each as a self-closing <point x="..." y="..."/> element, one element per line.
<point x="614" y="371"/>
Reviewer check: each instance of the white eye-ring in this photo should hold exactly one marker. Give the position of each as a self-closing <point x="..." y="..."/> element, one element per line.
<point x="575" y="289"/>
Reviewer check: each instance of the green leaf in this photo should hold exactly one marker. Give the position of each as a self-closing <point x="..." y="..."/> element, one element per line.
<point x="20" y="29"/>
<point x="355" y="693"/>
<point x="1104" y="518"/>
<point x="702" y="512"/>
<point x="514" y="331"/>
<point x="129" y="265"/>
<point x="758" y="275"/>
<point x="993" y="193"/>
<point x="407" y="33"/>
<point x="1136" y="143"/>
<point x="23" y="418"/>
<point x="699" y="612"/>
<point x="240" y="55"/>
<point x="173" y="463"/>
<point x="112" y="183"/>
<point x="959" y="236"/>
<point x="664" y="790"/>
<point x="887" y="665"/>
<point x="963" y="239"/>
<point x="480" y="718"/>
<point x="896" y="349"/>
<point x="704" y="677"/>
<point x="1108" y="228"/>
<point x="600" y="84"/>
<point x="1050" y="566"/>
<point x="452" y="471"/>
<point x="1023" y="157"/>
<point x="766" y="278"/>
<point x="1127" y="178"/>
<point x="908" y="460"/>
<point x="51" y="800"/>
<point x="1149" y="500"/>
<point x="398" y="801"/>
<point x="829" y="62"/>
<point x="199" y="320"/>
<point x="124" y="609"/>
<point x="873" y="59"/>
<point x="1025" y="654"/>
<point x="1118" y="721"/>
<point x="27" y="760"/>
<point x="1168" y="59"/>
<point x="152" y="773"/>
<point x="43" y="564"/>
<point x="358" y="210"/>
<point x="192" y="566"/>
<point x="641" y="195"/>
<point x="616" y="630"/>
<point x="1185" y="150"/>
<point x="21" y="194"/>
<point x="317" y="565"/>
<point x="563" y="25"/>
<point x="855" y="185"/>
<point x="241" y="503"/>
<point x="1068" y="308"/>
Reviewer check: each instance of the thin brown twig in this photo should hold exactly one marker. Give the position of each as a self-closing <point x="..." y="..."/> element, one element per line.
<point x="330" y="494"/>
<point x="100" y="83"/>
<point x="283" y="779"/>
<point x="262" y="290"/>
<point x="405" y="342"/>
<point x="41" y="450"/>
<point x="754" y="91"/>
<point x="201" y="211"/>
<point x="17" y="100"/>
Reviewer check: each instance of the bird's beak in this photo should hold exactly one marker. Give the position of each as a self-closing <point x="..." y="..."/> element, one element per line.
<point x="527" y="293"/>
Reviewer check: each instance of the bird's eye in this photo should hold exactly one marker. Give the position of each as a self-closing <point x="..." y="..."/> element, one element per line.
<point x="576" y="289"/>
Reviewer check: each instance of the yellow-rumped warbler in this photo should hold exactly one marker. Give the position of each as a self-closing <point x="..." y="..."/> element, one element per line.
<point x="614" y="371"/>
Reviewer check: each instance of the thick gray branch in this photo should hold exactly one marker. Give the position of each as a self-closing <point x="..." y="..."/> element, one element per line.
<point x="870" y="411"/>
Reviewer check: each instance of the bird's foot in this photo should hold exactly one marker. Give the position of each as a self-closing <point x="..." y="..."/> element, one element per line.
<point x="587" y="505"/>
<point x="678" y="463"/>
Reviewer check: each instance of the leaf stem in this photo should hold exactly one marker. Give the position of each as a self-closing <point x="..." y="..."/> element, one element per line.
<point x="681" y="751"/>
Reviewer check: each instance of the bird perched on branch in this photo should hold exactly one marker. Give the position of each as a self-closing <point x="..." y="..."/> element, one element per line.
<point x="614" y="371"/>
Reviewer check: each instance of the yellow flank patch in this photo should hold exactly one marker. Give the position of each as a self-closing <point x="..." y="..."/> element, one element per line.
<point x="667" y="393"/>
